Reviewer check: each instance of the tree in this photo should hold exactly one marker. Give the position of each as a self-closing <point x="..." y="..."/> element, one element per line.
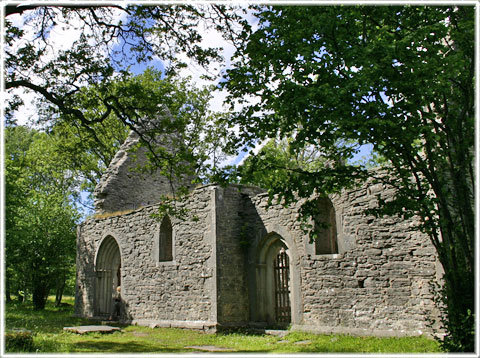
<point x="399" y="78"/>
<point x="86" y="89"/>
<point x="16" y="148"/>
<point x="154" y="106"/>
<point x="111" y="39"/>
<point x="40" y="215"/>
<point x="275" y="161"/>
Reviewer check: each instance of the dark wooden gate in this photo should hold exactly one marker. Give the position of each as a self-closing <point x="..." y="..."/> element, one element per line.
<point x="281" y="270"/>
<point x="104" y="292"/>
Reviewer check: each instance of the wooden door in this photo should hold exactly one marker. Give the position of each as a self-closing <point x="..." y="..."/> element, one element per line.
<point x="104" y="292"/>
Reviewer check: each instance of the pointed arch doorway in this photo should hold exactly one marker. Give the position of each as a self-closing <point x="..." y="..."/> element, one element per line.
<point x="108" y="276"/>
<point x="275" y="287"/>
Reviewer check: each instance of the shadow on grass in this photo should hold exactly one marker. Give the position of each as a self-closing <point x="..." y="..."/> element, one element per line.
<point x="139" y="347"/>
<point x="121" y="347"/>
<point x="49" y="320"/>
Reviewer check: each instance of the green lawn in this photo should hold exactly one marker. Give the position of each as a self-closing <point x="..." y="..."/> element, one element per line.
<point x="50" y="337"/>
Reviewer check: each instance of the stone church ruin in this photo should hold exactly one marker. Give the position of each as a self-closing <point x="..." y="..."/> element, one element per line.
<point x="234" y="262"/>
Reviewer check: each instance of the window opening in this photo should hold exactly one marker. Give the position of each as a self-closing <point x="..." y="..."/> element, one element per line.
<point x="165" y="252"/>
<point x="326" y="228"/>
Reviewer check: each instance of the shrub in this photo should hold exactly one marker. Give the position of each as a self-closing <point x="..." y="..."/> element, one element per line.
<point x="19" y="341"/>
<point x="458" y="321"/>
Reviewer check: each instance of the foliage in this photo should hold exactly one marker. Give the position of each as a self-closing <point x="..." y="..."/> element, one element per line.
<point x="50" y="337"/>
<point x="169" y="114"/>
<point x="86" y="92"/>
<point x="19" y="341"/>
<point x="270" y="167"/>
<point x="87" y="150"/>
<point x="41" y="217"/>
<point x="399" y="78"/>
<point x="172" y="118"/>
<point x="111" y="38"/>
<point x="458" y="333"/>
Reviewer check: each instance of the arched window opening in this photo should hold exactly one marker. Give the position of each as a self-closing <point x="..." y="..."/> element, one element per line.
<point x="325" y="228"/>
<point x="165" y="252"/>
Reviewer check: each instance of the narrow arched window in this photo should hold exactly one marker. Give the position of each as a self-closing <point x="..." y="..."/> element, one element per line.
<point x="165" y="241"/>
<point x="325" y="228"/>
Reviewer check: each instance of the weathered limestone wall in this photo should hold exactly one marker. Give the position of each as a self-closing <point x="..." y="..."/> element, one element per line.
<point x="378" y="283"/>
<point x="176" y="293"/>
<point x="125" y="187"/>
<point x="230" y="226"/>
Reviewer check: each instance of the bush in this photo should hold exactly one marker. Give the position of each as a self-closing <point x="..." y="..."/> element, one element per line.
<point x="458" y="321"/>
<point x="19" y="341"/>
<point x="460" y="335"/>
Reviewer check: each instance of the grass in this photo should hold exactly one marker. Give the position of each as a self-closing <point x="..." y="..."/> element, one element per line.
<point x="50" y="337"/>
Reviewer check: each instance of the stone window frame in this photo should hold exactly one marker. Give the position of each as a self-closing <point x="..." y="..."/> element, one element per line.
<point x="156" y="246"/>
<point x="310" y="248"/>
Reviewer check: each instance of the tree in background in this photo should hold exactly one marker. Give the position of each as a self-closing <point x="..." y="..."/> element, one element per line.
<point x="275" y="162"/>
<point x="398" y="78"/>
<point x="41" y="218"/>
<point x="87" y="92"/>
<point x="176" y="107"/>
<point x="16" y="148"/>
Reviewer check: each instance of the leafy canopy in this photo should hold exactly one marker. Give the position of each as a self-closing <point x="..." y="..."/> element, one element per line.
<point x="110" y="39"/>
<point x="87" y="95"/>
<point x="398" y="78"/>
<point x="176" y="107"/>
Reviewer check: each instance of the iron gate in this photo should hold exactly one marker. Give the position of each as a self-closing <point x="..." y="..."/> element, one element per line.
<point x="282" y="291"/>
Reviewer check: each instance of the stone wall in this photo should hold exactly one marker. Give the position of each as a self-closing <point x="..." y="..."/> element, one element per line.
<point x="378" y="283"/>
<point x="231" y="207"/>
<point x="180" y="292"/>
<point x="127" y="186"/>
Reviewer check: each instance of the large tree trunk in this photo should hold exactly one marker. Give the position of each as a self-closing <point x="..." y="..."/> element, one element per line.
<point x="39" y="296"/>
<point x="8" y="297"/>
<point x="457" y="251"/>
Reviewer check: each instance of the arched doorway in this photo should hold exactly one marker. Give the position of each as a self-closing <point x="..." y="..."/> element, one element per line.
<point x="273" y="282"/>
<point x="108" y="273"/>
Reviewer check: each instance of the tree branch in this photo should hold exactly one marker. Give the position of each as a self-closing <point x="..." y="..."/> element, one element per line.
<point x="20" y="9"/>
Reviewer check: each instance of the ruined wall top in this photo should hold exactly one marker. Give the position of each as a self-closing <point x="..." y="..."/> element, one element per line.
<point x="124" y="187"/>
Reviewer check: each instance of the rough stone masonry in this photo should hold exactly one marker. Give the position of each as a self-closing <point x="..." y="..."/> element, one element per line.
<point x="235" y="261"/>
